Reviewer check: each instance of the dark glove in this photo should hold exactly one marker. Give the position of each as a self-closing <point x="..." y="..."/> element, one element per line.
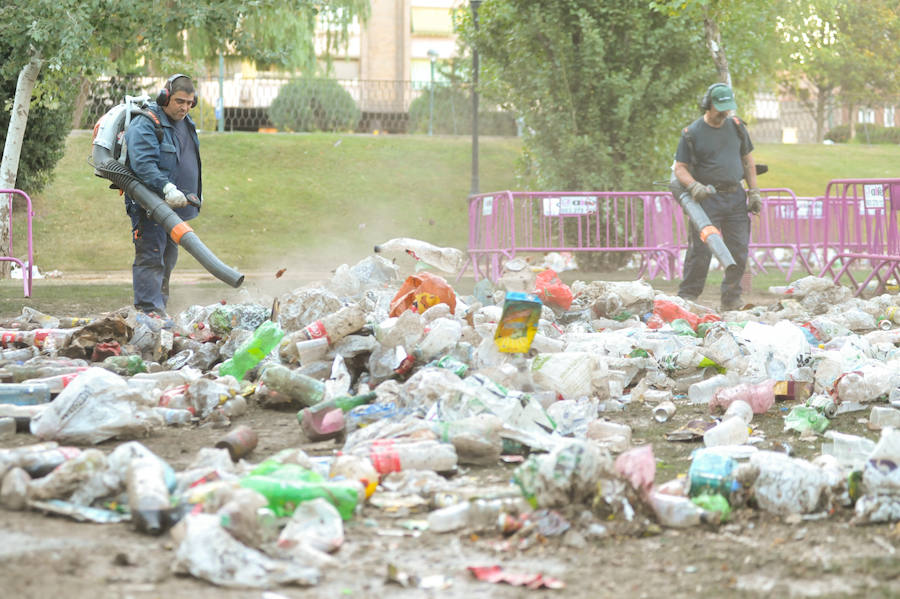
<point x="699" y="191"/>
<point x="754" y="202"/>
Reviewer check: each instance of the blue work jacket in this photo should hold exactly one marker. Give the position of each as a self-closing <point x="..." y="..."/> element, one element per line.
<point x="154" y="161"/>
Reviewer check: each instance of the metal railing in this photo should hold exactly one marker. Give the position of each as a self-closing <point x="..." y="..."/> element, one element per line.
<point x="319" y="104"/>
<point x="27" y="264"/>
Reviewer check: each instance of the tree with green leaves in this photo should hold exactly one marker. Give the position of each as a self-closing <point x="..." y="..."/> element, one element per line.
<point x="602" y="88"/>
<point x="840" y="48"/>
<point x="86" y="38"/>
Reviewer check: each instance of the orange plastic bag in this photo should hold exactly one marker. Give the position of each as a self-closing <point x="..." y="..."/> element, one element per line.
<point x="421" y="291"/>
<point x="552" y="290"/>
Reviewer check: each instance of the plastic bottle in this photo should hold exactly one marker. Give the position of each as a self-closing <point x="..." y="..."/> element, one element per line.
<point x="702" y="392"/>
<point x="676" y="511"/>
<point x="805" y="418"/>
<point x="288" y="485"/>
<point x="732" y="431"/>
<point x="335" y="326"/>
<point x="850" y="450"/>
<point x="7" y="427"/>
<point x="480" y="514"/>
<point x="390" y="455"/>
<point x="664" y="411"/>
<point x="711" y="473"/>
<point x="239" y="442"/>
<point x="760" y="396"/>
<point x="740" y="409"/>
<point x="174" y="416"/>
<point x="24" y="394"/>
<point x="41" y="460"/>
<point x="55" y="383"/>
<point x="882" y="416"/>
<point x="148" y="496"/>
<point x="125" y="365"/>
<point x="325" y="420"/>
<point x="265" y="338"/>
<point x="293" y="383"/>
<point x="442" y="334"/>
<point x="476" y="439"/>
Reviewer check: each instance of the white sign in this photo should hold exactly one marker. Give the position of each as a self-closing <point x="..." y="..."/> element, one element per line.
<point x="487" y="205"/>
<point x="874" y="195"/>
<point x="570" y="206"/>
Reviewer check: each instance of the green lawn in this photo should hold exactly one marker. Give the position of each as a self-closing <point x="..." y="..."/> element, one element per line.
<point x="315" y="201"/>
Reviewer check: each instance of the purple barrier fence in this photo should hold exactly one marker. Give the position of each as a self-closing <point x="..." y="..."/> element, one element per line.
<point x="27" y="264"/>
<point x="862" y="238"/>
<point x="505" y="224"/>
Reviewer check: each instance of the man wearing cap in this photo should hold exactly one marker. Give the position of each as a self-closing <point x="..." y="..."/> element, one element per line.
<point x="716" y="150"/>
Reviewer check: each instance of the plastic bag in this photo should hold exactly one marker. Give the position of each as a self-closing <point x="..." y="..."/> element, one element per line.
<point x="208" y="552"/>
<point x="96" y="406"/>
<point x="551" y="290"/>
<point x="421" y="291"/>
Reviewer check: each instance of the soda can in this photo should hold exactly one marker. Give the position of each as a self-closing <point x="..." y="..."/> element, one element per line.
<point x="239" y="442"/>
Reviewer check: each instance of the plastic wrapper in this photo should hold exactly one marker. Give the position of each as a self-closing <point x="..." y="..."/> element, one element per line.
<point x="880" y="487"/>
<point x="208" y="552"/>
<point x="421" y="291"/>
<point x="569" y="474"/>
<point x="302" y="307"/>
<point x="316" y="523"/>
<point x="96" y="406"/>
<point x="68" y="476"/>
<point x="786" y="485"/>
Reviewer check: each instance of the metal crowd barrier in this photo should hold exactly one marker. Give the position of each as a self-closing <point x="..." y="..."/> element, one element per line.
<point x="862" y="242"/>
<point x="26" y="265"/>
<point x="790" y="232"/>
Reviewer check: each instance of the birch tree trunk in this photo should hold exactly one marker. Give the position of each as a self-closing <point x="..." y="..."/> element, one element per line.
<point x="12" y="149"/>
<point x="714" y="43"/>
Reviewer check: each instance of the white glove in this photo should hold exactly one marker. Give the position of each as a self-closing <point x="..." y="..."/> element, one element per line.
<point x="174" y="197"/>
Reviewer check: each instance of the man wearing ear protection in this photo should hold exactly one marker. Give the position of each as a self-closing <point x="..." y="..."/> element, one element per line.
<point x="715" y="150"/>
<point x="164" y="152"/>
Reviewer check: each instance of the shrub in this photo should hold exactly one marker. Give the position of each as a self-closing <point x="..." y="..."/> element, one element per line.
<point x="453" y="115"/>
<point x="314" y="105"/>
<point x="839" y="134"/>
<point x="865" y="134"/>
<point x="45" y="136"/>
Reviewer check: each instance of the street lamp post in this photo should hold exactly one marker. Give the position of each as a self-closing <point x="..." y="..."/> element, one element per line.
<point x="432" y="54"/>
<point x="475" y="4"/>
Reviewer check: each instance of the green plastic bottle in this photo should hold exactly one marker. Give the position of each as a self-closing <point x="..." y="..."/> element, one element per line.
<point x="803" y="418"/>
<point x="265" y="338"/>
<point x="296" y="385"/>
<point x="285" y="492"/>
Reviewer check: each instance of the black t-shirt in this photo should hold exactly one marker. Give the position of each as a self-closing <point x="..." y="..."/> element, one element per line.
<point x="717" y="152"/>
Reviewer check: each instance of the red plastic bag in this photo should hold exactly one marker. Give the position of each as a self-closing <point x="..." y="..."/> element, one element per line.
<point x="552" y="290"/>
<point x="421" y="291"/>
<point x="666" y="311"/>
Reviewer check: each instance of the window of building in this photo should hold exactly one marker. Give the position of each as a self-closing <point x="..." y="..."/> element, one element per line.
<point x="431" y="21"/>
<point x="889" y="116"/>
<point x="866" y="115"/>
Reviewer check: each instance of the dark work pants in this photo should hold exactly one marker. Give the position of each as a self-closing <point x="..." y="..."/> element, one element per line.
<point x="155" y="255"/>
<point x="728" y="212"/>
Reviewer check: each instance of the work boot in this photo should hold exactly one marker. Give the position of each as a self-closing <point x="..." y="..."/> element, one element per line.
<point x="734" y="304"/>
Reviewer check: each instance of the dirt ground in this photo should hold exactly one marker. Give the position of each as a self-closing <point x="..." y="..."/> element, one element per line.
<point x="755" y="554"/>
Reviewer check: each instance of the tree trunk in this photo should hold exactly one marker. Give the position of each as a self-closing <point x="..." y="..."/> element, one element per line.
<point x="714" y="43"/>
<point x="821" y="99"/>
<point x="80" y="102"/>
<point x="851" y="109"/>
<point x="9" y="166"/>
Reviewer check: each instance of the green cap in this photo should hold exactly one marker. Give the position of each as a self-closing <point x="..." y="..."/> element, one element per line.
<point x="722" y="98"/>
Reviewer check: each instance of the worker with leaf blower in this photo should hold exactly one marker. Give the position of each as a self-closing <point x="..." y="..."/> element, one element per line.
<point x="714" y="154"/>
<point x="163" y="150"/>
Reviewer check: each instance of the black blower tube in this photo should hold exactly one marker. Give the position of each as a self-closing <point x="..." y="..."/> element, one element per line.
<point x="123" y="177"/>
<point x="708" y="232"/>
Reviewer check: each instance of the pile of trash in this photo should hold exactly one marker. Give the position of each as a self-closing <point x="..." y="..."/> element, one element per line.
<point x="416" y="384"/>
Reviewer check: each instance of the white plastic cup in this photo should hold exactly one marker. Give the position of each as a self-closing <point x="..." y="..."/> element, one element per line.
<point x="311" y="350"/>
<point x="732" y="431"/>
<point x="664" y="411"/>
<point x="702" y="392"/>
<point x="741" y="409"/>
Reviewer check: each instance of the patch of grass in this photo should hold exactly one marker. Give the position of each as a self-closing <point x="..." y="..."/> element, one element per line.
<point x="314" y="201"/>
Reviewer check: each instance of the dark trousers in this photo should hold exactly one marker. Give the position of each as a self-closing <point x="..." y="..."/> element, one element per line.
<point x="728" y="212"/>
<point x="155" y="255"/>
